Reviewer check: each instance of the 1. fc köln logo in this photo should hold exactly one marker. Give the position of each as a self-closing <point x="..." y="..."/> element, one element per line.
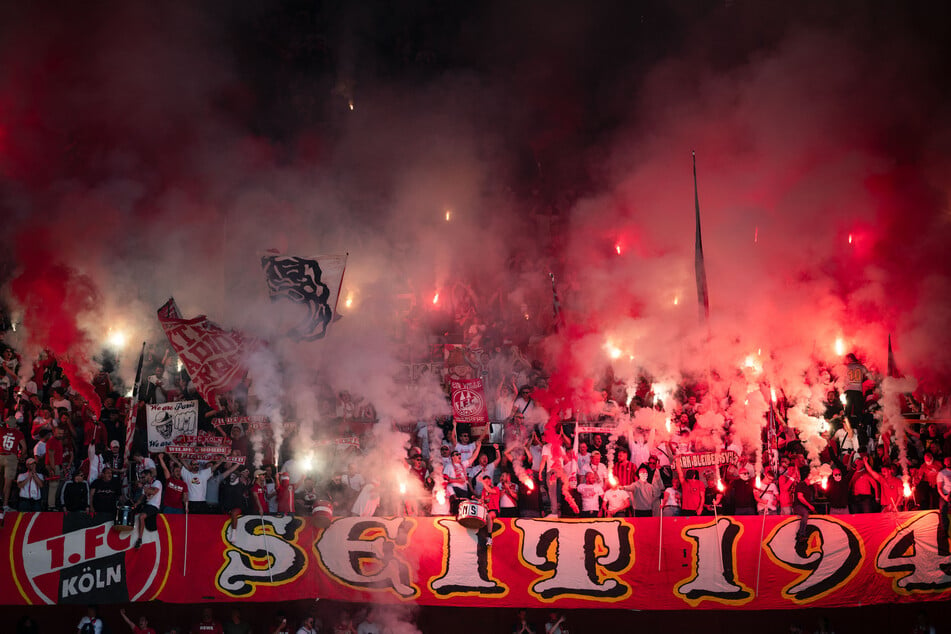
<point x="59" y="559"/>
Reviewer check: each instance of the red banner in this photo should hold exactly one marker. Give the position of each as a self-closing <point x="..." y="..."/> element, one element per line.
<point x="468" y="404"/>
<point x="213" y="357"/>
<point x="741" y="562"/>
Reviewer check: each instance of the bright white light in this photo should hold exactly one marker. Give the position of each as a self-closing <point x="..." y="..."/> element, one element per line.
<point x="350" y="103"/>
<point x="617" y="247"/>
<point x="179" y="365"/>
<point x="613" y="351"/>
<point x="676" y="300"/>
<point x="839" y="346"/>
<point x="307" y="463"/>
<point x="772" y="394"/>
<point x="842" y="398"/>
<point x="349" y="301"/>
<point x="436" y="298"/>
<point x="448" y="215"/>
<point x="116" y="339"/>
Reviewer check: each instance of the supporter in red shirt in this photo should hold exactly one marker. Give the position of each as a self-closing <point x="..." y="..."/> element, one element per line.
<point x="259" y="493"/>
<point x="12" y="450"/>
<point x="94" y="433"/>
<point x="142" y="627"/>
<point x="58" y="458"/>
<point x="692" y="491"/>
<point x="208" y="624"/>
<point x="285" y="494"/>
<point x="175" y="500"/>
<point x="624" y="470"/>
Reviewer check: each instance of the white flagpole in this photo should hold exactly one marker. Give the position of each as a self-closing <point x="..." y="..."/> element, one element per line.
<point x="759" y="557"/>
<point x="660" y="537"/>
<point x="716" y="526"/>
<point x="267" y="549"/>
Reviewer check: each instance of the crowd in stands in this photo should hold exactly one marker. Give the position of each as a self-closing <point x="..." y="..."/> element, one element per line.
<point x="596" y="461"/>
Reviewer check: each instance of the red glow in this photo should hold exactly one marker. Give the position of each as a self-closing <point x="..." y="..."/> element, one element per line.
<point x="436" y="298"/>
<point x="617" y="247"/>
<point x="528" y="484"/>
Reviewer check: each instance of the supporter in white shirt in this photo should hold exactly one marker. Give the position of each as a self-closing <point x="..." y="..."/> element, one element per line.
<point x="465" y="447"/>
<point x="591" y="492"/>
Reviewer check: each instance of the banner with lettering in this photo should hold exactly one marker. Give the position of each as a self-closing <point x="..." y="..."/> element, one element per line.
<point x="706" y="459"/>
<point x="640" y="564"/>
<point x="167" y="421"/>
<point x="468" y="404"/>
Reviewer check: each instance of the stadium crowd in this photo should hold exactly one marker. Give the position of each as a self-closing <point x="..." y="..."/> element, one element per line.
<point x="594" y="461"/>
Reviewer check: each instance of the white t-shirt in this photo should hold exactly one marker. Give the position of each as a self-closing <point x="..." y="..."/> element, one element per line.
<point x="156" y="500"/>
<point x="589" y="496"/>
<point x="96" y="623"/>
<point x="616" y="499"/>
<point x="465" y="451"/>
<point x="31" y="491"/>
<point x="197" y="483"/>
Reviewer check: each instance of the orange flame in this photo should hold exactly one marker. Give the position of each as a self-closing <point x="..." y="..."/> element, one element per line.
<point x="906" y="489"/>
<point x="528" y="484"/>
<point x="720" y="486"/>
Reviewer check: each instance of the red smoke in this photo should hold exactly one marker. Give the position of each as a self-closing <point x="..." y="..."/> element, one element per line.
<point x="53" y="297"/>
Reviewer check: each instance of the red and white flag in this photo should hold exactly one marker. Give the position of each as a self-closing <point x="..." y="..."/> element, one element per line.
<point x="213" y="357"/>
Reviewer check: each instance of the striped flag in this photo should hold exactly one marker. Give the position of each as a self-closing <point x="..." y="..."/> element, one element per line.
<point x="213" y="357"/>
<point x="703" y="296"/>
<point x="130" y="420"/>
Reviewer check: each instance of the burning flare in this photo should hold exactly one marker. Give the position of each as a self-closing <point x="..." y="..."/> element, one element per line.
<point x="839" y="346"/>
<point x="436" y="298"/>
<point x="528" y="483"/>
<point x="906" y="488"/>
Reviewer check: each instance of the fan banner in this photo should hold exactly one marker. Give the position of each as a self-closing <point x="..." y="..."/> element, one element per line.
<point x="642" y="564"/>
<point x="304" y="291"/>
<point x="167" y="421"/>
<point x="213" y="357"/>
<point x="468" y="404"/>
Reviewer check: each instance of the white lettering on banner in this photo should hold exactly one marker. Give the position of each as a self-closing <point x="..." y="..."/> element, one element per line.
<point x="831" y="557"/>
<point x="466" y="564"/>
<point x="910" y="556"/>
<point x="352" y="546"/>
<point x="260" y="551"/>
<point x="709" y="579"/>
<point x="585" y="559"/>
<point x="90" y="579"/>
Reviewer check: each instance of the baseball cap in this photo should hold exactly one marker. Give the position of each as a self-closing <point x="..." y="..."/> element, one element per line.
<point x="259" y="472"/>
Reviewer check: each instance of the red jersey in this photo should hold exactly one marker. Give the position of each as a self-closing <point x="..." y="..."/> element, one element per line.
<point x="139" y="630"/>
<point x="490" y="497"/>
<point x="285" y="498"/>
<point x="10" y="441"/>
<point x="693" y="491"/>
<point x="259" y="494"/>
<point x="625" y="472"/>
<point x="174" y="493"/>
<point x="213" y="627"/>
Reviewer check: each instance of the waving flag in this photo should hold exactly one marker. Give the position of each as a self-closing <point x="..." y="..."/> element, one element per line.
<point x="703" y="296"/>
<point x="213" y="357"/>
<point x="307" y="289"/>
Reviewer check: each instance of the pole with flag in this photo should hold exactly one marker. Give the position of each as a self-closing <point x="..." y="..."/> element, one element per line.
<point x="559" y="319"/>
<point x="130" y="420"/>
<point x="703" y="296"/>
<point x="892" y="368"/>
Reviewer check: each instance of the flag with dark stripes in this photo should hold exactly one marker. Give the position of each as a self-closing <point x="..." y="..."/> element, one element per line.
<point x="703" y="296"/>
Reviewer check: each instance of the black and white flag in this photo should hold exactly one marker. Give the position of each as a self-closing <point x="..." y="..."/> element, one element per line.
<point x="307" y="289"/>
